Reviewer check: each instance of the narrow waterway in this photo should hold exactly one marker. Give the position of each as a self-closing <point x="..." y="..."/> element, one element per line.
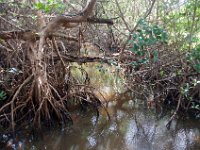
<point x="132" y="127"/>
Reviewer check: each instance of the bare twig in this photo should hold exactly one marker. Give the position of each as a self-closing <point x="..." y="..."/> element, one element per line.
<point x="122" y="15"/>
<point x="133" y="30"/>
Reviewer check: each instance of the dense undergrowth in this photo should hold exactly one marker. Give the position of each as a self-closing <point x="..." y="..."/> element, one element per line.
<point x="160" y="61"/>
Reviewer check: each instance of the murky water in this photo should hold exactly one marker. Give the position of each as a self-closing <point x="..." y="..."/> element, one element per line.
<point x="132" y="127"/>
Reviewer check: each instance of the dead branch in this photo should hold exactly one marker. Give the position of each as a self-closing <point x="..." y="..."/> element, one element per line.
<point x="70" y="58"/>
<point x="31" y="35"/>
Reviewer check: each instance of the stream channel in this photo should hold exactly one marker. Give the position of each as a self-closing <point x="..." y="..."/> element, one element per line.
<point x="132" y="127"/>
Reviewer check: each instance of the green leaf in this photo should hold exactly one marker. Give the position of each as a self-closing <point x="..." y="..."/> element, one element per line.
<point x="155" y="56"/>
<point x="143" y="60"/>
<point x="162" y="73"/>
<point x="2" y="95"/>
<point x="134" y="63"/>
<point x="47" y="8"/>
<point x="140" y="53"/>
<point x="40" y="6"/>
<point x="135" y="48"/>
<point x="197" y="67"/>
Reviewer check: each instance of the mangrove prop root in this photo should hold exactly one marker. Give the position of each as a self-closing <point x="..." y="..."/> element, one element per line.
<point x="11" y="103"/>
<point x="178" y="105"/>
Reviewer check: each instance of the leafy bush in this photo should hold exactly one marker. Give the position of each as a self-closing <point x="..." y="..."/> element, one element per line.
<point x="50" y="6"/>
<point x="183" y="25"/>
<point x="193" y="58"/>
<point x="146" y="35"/>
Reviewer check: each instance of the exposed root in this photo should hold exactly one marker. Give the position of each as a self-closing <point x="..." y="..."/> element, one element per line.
<point x="175" y="113"/>
<point x="11" y="103"/>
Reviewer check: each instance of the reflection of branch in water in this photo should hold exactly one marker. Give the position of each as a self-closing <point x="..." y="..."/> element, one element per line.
<point x="136" y="126"/>
<point x="139" y="126"/>
<point x="153" y="133"/>
<point x="147" y="136"/>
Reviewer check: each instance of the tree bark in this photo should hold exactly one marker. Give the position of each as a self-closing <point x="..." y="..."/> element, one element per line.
<point x="42" y="89"/>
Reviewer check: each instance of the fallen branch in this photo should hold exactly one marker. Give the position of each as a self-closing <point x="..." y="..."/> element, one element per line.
<point x="70" y="58"/>
<point x="33" y="35"/>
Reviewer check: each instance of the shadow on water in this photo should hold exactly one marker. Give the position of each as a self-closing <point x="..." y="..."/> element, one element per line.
<point x="132" y="126"/>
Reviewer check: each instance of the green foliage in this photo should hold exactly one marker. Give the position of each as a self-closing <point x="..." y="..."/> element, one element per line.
<point x="51" y="5"/>
<point x="146" y="35"/>
<point x="185" y="89"/>
<point x="193" y="58"/>
<point x="2" y="95"/>
<point x="183" y="25"/>
<point x="194" y="105"/>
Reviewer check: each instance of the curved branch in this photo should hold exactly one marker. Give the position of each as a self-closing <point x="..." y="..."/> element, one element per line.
<point x="148" y="12"/>
<point x="68" y="21"/>
<point x="87" y="11"/>
<point x="65" y="21"/>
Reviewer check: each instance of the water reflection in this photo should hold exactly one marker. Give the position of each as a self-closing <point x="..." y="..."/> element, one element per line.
<point x="130" y="128"/>
<point x="136" y="128"/>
